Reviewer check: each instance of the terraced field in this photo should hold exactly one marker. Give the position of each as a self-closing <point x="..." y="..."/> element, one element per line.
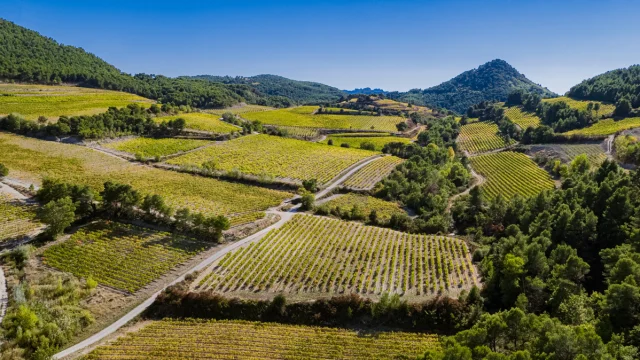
<point x="300" y="132"/>
<point x="369" y="175"/>
<point x="315" y="255"/>
<point x="605" y="109"/>
<point x="510" y="173"/>
<point x="151" y="148"/>
<point x="355" y="141"/>
<point x="521" y="118"/>
<point x="119" y="255"/>
<point x="303" y="117"/>
<point x="16" y="218"/>
<point x="480" y="137"/>
<point x="607" y="127"/>
<point x="274" y="156"/>
<point x="223" y="339"/>
<point x="202" y="122"/>
<point x="30" y="160"/>
<point x="366" y="204"/>
<point x="54" y="101"/>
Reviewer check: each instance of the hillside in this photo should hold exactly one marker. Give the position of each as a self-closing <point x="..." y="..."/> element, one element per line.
<point x="365" y="91"/>
<point x="301" y="92"/>
<point x="27" y="56"/>
<point x="491" y="81"/>
<point x="611" y="86"/>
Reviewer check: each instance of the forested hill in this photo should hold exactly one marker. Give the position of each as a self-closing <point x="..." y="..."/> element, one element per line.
<point x="27" y="56"/>
<point x="365" y="91"/>
<point x="611" y="86"/>
<point x="491" y="81"/>
<point x="301" y="92"/>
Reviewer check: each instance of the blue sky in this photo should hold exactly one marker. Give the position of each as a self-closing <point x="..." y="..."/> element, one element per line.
<point x="395" y="45"/>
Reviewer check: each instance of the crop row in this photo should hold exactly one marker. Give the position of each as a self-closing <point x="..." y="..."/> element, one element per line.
<point x="151" y="148"/>
<point x="119" y="255"/>
<point x="211" y="339"/>
<point x="16" y="219"/>
<point x="369" y="175"/>
<point x="345" y="203"/>
<point x="273" y="156"/>
<point x="202" y="122"/>
<point x="313" y="254"/>
<point x="605" y="108"/>
<point x="522" y="118"/>
<point x="480" y="137"/>
<point x="607" y="127"/>
<point x="356" y="142"/>
<point x="510" y="173"/>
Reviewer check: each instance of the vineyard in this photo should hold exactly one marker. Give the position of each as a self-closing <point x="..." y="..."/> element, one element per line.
<point x="224" y="339"/>
<point x="300" y="132"/>
<point x="16" y="219"/>
<point x="304" y="116"/>
<point x="30" y="160"/>
<point x="510" y="173"/>
<point x="480" y="137"/>
<point x="568" y="152"/>
<point x="239" y="109"/>
<point x="521" y="118"/>
<point x="202" y="122"/>
<point x="345" y="203"/>
<point x="32" y="101"/>
<point x="119" y="255"/>
<point x="152" y="148"/>
<point x="355" y="141"/>
<point x="273" y="156"/>
<point x="369" y="175"/>
<point x="607" y="127"/>
<point x="318" y="255"/>
<point x="605" y="109"/>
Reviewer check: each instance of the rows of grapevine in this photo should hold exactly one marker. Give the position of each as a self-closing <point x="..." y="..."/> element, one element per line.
<point x="16" y="218"/>
<point x="369" y="175"/>
<point x="274" y="156"/>
<point x="345" y="203"/>
<point x="30" y="160"/>
<point x="241" y="219"/>
<point x="240" y="109"/>
<point x="607" y="127"/>
<point x="522" y="118"/>
<point x="304" y="116"/>
<point x="594" y="152"/>
<point x="152" y="148"/>
<point x="224" y="339"/>
<point x="510" y="173"/>
<point x="319" y="255"/>
<point x="356" y="142"/>
<point x="303" y="133"/>
<point x="605" y="108"/>
<point x="480" y="137"/>
<point x="120" y="255"/>
<point x="202" y="122"/>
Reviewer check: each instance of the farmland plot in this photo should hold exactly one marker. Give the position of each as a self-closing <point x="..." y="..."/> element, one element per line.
<point x="605" y="108"/>
<point x="315" y="255"/>
<point x="228" y="339"/>
<point x="151" y="148"/>
<point x="369" y="175"/>
<point x="16" y="218"/>
<point x="510" y="173"/>
<point x="355" y="141"/>
<point x="607" y="127"/>
<point x="480" y="137"/>
<point x="273" y="156"/>
<point x="345" y="203"/>
<point x="522" y="118"/>
<point x="202" y="122"/>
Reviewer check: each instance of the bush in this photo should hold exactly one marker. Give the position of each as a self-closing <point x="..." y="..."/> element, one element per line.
<point x="345" y="145"/>
<point x="4" y="171"/>
<point x="330" y="142"/>
<point x="307" y="201"/>
<point x="367" y="145"/>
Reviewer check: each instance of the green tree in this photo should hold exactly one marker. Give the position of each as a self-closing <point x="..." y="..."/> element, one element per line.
<point x="623" y="108"/>
<point x="58" y="215"/>
<point x="307" y="201"/>
<point x="119" y="200"/>
<point x="4" y="171"/>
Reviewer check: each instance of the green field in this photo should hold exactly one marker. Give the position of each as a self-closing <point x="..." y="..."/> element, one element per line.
<point x="122" y="256"/>
<point x="365" y="204"/>
<point x="151" y="148"/>
<point x="30" y="160"/>
<point x="227" y="339"/>
<point x="354" y="141"/>
<point x="369" y="175"/>
<point x="245" y="108"/>
<point x="300" y="132"/>
<point x="202" y="122"/>
<point x="16" y="218"/>
<point x="605" y="109"/>
<point x="522" y="118"/>
<point x="33" y="101"/>
<point x="303" y="117"/>
<point x="509" y="173"/>
<point x="607" y="127"/>
<point x="480" y="137"/>
<point x="274" y="156"/>
<point x="315" y="255"/>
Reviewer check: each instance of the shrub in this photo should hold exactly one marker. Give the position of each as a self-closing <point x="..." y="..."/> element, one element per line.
<point x="345" y="145"/>
<point x="4" y="171"/>
<point x="367" y="145"/>
<point x="307" y="201"/>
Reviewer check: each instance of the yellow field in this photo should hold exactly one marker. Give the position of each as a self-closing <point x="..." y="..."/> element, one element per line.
<point x="354" y="141"/>
<point x="345" y="203"/>
<point x="151" y="148"/>
<point x="228" y="339"/>
<point x="605" y="109"/>
<point x="521" y="118"/>
<point x="202" y="122"/>
<point x="480" y="137"/>
<point x="54" y="101"/>
<point x="30" y="160"/>
<point x="607" y="127"/>
<point x="303" y="117"/>
<point x="16" y="218"/>
<point x="239" y="109"/>
<point x="369" y="175"/>
<point x="274" y="156"/>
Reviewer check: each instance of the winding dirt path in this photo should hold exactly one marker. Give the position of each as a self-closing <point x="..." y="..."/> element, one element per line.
<point x="478" y="180"/>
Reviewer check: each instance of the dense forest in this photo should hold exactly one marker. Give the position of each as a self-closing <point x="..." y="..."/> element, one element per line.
<point x="300" y="92"/>
<point x="365" y="91"/>
<point x="491" y="81"/>
<point x="611" y="86"/>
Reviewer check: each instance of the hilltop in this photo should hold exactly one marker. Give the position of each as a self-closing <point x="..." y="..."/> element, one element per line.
<point x="301" y="92"/>
<point x="611" y="86"/>
<point x="491" y="81"/>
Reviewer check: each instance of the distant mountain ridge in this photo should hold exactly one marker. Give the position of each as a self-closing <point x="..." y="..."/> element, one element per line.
<point x="491" y="81"/>
<point x="365" y="91"/>
<point x="301" y="92"/>
<point x="611" y="86"/>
